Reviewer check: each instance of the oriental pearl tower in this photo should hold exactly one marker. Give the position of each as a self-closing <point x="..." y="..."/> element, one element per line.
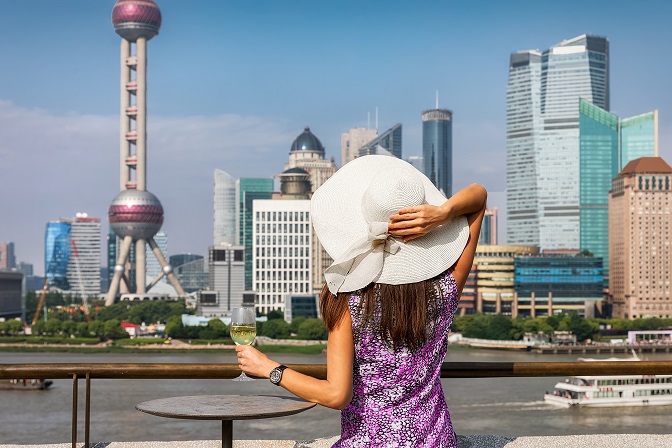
<point x="135" y="215"/>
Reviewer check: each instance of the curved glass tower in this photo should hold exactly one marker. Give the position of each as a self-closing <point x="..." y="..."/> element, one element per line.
<point x="437" y="148"/>
<point x="57" y="253"/>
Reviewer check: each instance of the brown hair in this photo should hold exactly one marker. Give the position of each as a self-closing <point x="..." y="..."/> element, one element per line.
<point x="401" y="314"/>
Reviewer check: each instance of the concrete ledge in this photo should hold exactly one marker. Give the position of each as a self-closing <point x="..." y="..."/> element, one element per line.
<point x="472" y="441"/>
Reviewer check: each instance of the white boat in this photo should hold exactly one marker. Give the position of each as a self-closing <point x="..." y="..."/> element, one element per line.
<point x="612" y="390"/>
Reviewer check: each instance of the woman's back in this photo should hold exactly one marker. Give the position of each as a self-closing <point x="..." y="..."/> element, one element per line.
<point x="397" y="395"/>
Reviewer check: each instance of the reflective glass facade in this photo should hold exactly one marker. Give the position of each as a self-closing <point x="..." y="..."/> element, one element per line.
<point x="577" y="278"/>
<point x="543" y="131"/>
<point x="250" y="189"/>
<point x="437" y="148"/>
<point x="389" y="141"/>
<point x="607" y="144"/>
<point x="639" y="137"/>
<point x="57" y="253"/>
<point x="225" y="208"/>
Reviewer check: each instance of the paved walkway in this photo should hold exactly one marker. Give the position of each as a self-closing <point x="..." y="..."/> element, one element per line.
<point x="475" y="441"/>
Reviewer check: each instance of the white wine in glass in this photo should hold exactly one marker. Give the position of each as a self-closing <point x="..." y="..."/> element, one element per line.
<point x="243" y="331"/>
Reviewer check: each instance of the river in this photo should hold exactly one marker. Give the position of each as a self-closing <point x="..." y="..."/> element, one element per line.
<point x="505" y="406"/>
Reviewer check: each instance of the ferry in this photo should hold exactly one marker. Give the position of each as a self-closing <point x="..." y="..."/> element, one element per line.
<point x="25" y="384"/>
<point x="613" y="390"/>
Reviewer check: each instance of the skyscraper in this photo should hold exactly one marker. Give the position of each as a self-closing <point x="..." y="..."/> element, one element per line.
<point x="640" y="257"/>
<point x="248" y="190"/>
<point x="388" y="143"/>
<point x="135" y="215"/>
<point x="72" y="248"/>
<point x="7" y="257"/>
<point x="607" y="144"/>
<point x="225" y="209"/>
<point x="84" y="260"/>
<point x="153" y="266"/>
<point x="57" y="252"/>
<point x="543" y="138"/>
<point x="354" y="139"/>
<point x="437" y="148"/>
<point x="488" y="233"/>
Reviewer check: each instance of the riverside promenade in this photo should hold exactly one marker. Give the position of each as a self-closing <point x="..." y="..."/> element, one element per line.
<point x="471" y="441"/>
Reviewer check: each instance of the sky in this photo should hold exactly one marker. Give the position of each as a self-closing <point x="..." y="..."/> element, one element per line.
<point x="232" y="83"/>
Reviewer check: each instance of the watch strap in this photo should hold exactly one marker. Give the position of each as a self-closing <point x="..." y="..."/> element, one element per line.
<point x="278" y="372"/>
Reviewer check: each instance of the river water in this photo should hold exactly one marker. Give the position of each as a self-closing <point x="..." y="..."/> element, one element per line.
<point x="505" y="406"/>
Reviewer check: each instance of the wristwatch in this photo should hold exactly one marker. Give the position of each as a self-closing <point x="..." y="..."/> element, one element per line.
<point x="276" y="375"/>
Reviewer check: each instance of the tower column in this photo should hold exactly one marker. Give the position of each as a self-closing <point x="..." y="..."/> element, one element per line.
<point x="141" y="118"/>
<point x="125" y="125"/>
<point x="140" y="267"/>
<point x="118" y="270"/>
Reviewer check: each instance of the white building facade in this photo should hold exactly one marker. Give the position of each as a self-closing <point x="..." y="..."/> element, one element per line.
<point x="153" y="266"/>
<point x="282" y="251"/>
<point x="84" y="261"/>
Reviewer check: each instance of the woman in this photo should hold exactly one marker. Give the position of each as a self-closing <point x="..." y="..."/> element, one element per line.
<point x="402" y="254"/>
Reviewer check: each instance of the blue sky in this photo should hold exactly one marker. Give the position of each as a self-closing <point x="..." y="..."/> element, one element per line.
<point x="231" y="84"/>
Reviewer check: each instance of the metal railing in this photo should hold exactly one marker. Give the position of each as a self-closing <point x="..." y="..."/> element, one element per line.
<point x="90" y="371"/>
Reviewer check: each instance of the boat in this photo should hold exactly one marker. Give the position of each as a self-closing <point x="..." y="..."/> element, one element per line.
<point x="25" y="384"/>
<point x="612" y="390"/>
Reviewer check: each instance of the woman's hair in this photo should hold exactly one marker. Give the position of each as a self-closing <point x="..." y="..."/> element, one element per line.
<point x="401" y="314"/>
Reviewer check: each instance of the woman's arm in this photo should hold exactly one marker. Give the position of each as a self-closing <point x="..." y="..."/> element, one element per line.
<point x="335" y="392"/>
<point x="414" y="222"/>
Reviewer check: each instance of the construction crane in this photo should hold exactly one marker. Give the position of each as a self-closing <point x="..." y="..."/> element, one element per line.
<point x="85" y="302"/>
<point x="40" y="303"/>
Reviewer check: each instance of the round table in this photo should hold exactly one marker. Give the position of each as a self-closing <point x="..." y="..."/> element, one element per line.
<point x="225" y="408"/>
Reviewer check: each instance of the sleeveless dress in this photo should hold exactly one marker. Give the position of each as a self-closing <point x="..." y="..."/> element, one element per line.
<point x="397" y="398"/>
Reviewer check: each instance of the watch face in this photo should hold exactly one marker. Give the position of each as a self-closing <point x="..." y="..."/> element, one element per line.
<point x="275" y="376"/>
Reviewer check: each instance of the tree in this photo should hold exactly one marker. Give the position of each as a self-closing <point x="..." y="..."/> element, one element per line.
<point x="69" y="327"/>
<point x="216" y="329"/>
<point x="580" y="327"/>
<point x="96" y="328"/>
<point x="276" y="329"/>
<point x="296" y="322"/>
<point x="275" y="314"/>
<point x="112" y="330"/>
<point x="4" y="328"/>
<point x="52" y="327"/>
<point x="14" y="326"/>
<point x="313" y="329"/>
<point x="82" y="330"/>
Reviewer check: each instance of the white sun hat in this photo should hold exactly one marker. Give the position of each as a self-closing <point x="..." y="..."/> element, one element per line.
<point x="350" y="213"/>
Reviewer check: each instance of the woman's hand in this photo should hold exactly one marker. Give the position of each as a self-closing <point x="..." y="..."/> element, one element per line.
<point x="414" y="222"/>
<point x="253" y="362"/>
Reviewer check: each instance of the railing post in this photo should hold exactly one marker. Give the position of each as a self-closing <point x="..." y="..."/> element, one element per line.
<point x="87" y="417"/>
<point x="74" y="410"/>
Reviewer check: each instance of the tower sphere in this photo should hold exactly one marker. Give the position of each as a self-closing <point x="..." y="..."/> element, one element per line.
<point x="135" y="213"/>
<point x="136" y="18"/>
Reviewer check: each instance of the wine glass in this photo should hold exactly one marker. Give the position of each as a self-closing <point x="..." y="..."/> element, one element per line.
<point x="243" y="331"/>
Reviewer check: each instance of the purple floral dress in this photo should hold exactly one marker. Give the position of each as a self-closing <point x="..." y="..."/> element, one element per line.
<point x="397" y="398"/>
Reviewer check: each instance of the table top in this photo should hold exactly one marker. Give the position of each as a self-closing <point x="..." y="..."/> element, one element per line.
<point x="225" y="407"/>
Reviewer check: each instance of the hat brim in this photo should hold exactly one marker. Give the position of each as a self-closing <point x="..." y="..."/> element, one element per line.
<point x="339" y="222"/>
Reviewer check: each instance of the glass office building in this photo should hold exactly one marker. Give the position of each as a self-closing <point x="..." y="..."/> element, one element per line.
<point x="225" y="208"/>
<point x="250" y="189"/>
<point x="387" y="143"/>
<point x="607" y="144"/>
<point x="57" y="253"/>
<point x="571" y="283"/>
<point x="543" y="137"/>
<point x="437" y="148"/>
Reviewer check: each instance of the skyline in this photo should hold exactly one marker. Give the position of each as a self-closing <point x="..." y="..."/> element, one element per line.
<point x="230" y="83"/>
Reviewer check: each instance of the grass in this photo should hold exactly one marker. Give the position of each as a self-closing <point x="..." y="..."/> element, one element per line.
<point x="47" y="340"/>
